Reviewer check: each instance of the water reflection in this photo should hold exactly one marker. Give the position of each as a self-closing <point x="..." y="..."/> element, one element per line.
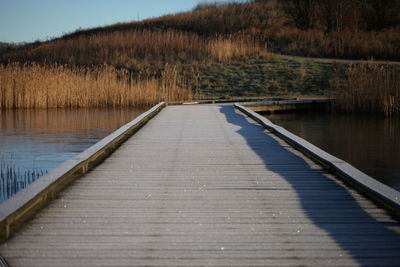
<point x="371" y="144"/>
<point x="42" y="139"/>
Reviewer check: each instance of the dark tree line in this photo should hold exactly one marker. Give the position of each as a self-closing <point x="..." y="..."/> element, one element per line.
<point x="336" y="15"/>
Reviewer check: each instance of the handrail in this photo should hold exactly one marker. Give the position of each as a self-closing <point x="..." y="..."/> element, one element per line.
<point x="23" y="205"/>
<point x="377" y="190"/>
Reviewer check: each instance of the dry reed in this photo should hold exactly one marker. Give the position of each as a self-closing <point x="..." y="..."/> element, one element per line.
<point x="13" y="179"/>
<point x="150" y="61"/>
<point x="369" y="88"/>
<point x="35" y="86"/>
<point x="224" y="49"/>
<point x="186" y="36"/>
<point x="137" y="49"/>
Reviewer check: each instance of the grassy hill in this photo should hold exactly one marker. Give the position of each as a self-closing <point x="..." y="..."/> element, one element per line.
<point x="357" y="34"/>
<point x="212" y="51"/>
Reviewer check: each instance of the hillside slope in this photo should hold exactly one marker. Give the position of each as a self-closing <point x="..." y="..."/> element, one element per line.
<point x="271" y="23"/>
<point x="221" y="50"/>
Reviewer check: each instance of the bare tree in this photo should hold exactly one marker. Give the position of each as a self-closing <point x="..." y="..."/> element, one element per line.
<point x="302" y="12"/>
<point x="380" y="14"/>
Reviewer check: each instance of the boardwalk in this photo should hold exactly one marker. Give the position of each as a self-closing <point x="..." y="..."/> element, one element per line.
<point x="205" y="186"/>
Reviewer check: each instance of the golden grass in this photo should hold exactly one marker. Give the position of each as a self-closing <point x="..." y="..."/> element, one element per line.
<point x="35" y="86"/>
<point x="369" y="88"/>
<point x="148" y="63"/>
<point x="208" y="34"/>
<point x="137" y="49"/>
<point x="224" y="49"/>
<point x="184" y="37"/>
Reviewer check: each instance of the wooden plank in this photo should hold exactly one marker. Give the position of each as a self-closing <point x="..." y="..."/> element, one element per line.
<point x="380" y="191"/>
<point x="22" y="206"/>
<point x="204" y="185"/>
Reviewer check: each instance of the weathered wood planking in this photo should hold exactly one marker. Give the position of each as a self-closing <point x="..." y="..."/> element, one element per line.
<point x="206" y="186"/>
<point x="22" y="206"/>
<point x="366" y="184"/>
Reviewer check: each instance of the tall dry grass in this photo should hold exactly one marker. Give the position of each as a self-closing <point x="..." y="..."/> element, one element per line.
<point x="223" y="49"/>
<point x="185" y="36"/>
<point x="13" y="180"/>
<point x="35" y="86"/>
<point x="369" y="88"/>
<point x="148" y="63"/>
<point x="137" y="49"/>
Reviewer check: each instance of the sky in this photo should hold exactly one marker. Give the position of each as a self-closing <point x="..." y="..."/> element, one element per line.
<point x="31" y="20"/>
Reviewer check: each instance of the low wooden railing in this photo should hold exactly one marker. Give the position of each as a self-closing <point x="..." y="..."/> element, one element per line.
<point x="385" y="195"/>
<point x="22" y="206"/>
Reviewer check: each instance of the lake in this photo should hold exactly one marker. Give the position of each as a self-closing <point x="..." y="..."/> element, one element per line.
<point x="369" y="143"/>
<point x="42" y="139"/>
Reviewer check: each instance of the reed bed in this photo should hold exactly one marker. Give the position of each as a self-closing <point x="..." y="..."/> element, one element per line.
<point x="13" y="180"/>
<point x="350" y="31"/>
<point x="266" y="20"/>
<point x="137" y="48"/>
<point x="54" y="86"/>
<point x="113" y="69"/>
<point x="224" y="49"/>
<point x="369" y="88"/>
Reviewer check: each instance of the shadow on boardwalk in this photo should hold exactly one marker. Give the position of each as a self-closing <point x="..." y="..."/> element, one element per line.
<point x="366" y="239"/>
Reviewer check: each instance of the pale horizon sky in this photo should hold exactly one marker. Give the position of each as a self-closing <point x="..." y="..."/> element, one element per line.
<point x="31" y="20"/>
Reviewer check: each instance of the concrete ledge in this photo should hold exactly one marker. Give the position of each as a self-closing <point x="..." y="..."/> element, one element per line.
<point x="22" y="206"/>
<point x="364" y="183"/>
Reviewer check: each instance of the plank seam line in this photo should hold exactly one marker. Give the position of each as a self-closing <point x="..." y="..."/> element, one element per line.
<point x="15" y="211"/>
<point x="375" y="190"/>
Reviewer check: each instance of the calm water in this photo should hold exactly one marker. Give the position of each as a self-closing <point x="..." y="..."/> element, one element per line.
<point x="42" y="139"/>
<point x="371" y="144"/>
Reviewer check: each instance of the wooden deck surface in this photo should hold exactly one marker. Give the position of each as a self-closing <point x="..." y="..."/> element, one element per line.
<point x="206" y="186"/>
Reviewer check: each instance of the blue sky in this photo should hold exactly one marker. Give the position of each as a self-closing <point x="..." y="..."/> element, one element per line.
<point x="31" y="20"/>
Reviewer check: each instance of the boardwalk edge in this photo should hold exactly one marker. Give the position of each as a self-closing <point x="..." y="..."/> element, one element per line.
<point x="378" y="191"/>
<point x="23" y="205"/>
